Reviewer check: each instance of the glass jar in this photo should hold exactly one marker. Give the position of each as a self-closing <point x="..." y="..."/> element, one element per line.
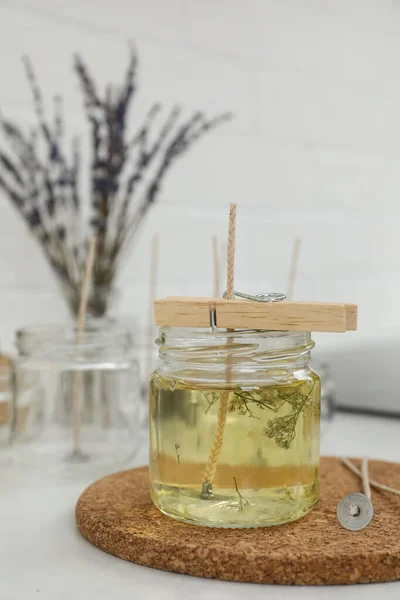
<point x="83" y="398"/>
<point x="234" y="427"/>
<point x="147" y="358"/>
<point x="328" y="395"/>
<point x="5" y="399"/>
<point x="142" y="340"/>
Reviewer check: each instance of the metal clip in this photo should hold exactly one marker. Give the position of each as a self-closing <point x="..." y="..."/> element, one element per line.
<point x="213" y="319"/>
<point x="264" y="297"/>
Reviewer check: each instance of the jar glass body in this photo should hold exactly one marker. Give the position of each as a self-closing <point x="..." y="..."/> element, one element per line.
<point x="265" y="471"/>
<point x="80" y="397"/>
<point x="5" y="400"/>
<point x="328" y="395"/>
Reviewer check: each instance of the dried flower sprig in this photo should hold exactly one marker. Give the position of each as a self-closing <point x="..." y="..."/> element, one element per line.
<point x="42" y="180"/>
<point x="283" y="429"/>
<point x="243" y="502"/>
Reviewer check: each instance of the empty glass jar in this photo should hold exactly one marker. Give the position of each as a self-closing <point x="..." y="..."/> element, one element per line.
<point x="81" y="396"/>
<point x="5" y="399"/>
<point x="234" y="427"/>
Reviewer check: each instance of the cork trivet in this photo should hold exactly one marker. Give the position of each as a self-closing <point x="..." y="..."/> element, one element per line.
<point x="117" y="515"/>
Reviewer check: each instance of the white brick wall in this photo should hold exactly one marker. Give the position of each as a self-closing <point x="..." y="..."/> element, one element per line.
<point x="313" y="150"/>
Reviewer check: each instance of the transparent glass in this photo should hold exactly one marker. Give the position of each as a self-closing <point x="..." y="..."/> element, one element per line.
<point x="146" y="352"/>
<point x="5" y="399"/>
<point x="328" y="395"/>
<point x="259" y="465"/>
<point x="81" y="398"/>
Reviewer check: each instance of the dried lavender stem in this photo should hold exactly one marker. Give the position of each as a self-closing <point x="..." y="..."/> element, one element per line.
<point x="212" y="463"/>
<point x="80" y="325"/>
<point x="45" y="188"/>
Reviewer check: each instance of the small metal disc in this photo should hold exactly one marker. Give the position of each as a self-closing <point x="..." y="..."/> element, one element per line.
<point x="355" y="511"/>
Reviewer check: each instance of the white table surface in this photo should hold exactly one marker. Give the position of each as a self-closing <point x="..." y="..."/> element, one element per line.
<point x="43" y="556"/>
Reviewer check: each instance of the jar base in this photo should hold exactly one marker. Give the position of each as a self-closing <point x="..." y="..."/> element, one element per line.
<point x="102" y="451"/>
<point x="235" y="509"/>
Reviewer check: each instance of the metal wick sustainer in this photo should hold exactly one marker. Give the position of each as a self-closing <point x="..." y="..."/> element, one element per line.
<point x="355" y="511"/>
<point x="263" y="297"/>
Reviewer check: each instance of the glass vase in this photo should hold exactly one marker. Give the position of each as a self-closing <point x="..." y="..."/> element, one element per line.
<point x="83" y="398"/>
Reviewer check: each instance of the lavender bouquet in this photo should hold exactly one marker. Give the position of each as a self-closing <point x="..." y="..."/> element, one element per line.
<point x="42" y="180"/>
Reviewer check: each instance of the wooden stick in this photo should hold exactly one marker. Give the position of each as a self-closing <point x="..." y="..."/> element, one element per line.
<point x="230" y="265"/>
<point x="212" y="463"/>
<point x="152" y="294"/>
<point x="224" y="254"/>
<point x="216" y="269"/>
<point x="247" y="314"/>
<point x="80" y="326"/>
<point x="87" y="278"/>
<point x="293" y="267"/>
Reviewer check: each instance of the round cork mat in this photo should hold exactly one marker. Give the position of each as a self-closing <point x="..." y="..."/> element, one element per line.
<point x="116" y="514"/>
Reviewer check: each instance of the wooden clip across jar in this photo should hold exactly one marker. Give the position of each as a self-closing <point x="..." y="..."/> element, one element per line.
<point x="246" y="314"/>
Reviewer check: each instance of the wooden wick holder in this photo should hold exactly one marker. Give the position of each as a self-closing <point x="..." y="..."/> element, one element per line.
<point x="246" y="314"/>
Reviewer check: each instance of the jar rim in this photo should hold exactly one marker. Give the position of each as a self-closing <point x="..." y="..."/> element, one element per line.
<point x="224" y="333"/>
<point x="205" y="336"/>
<point x="210" y="349"/>
<point x="57" y="339"/>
